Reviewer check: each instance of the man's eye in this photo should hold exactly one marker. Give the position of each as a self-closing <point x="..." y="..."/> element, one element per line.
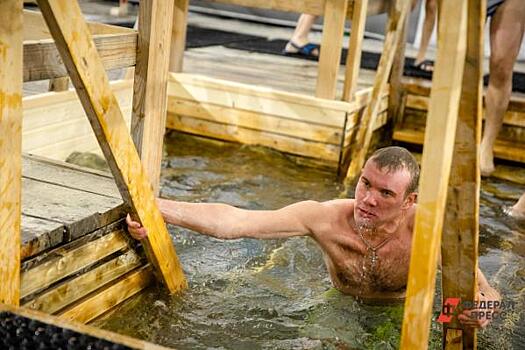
<point x="386" y="193"/>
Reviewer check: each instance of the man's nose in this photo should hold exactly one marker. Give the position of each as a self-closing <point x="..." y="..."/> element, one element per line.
<point x="370" y="199"/>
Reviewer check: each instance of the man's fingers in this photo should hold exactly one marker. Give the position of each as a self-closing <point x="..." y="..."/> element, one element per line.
<point x="132" y="223"/>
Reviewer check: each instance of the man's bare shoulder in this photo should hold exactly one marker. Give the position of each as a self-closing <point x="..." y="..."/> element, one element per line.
<point x="340" y="205"/>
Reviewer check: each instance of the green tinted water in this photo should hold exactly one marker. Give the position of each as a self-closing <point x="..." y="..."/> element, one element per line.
<point x="251" y="294"/>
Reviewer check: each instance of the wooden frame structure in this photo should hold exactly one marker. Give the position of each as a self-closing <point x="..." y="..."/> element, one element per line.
<point x="78" y="51"/>
<point x="322" y="128"/>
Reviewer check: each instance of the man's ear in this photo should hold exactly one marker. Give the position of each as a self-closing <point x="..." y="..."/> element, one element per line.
<point x="410" y="200"/>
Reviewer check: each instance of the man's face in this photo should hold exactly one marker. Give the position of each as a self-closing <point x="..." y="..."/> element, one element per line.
<point x="380" y="196"/>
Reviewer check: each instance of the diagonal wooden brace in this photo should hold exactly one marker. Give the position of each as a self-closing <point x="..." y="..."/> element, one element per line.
<point x="78" y="51"/>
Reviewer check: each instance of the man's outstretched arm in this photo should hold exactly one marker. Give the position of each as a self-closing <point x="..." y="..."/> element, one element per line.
<point x="227" y="222"/>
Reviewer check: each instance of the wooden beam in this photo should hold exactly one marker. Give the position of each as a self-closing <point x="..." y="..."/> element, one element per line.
<point x="314" y="7"/>
<point x="178" y="35"/>
<point x="102" y="301"/>
<point x="11" y="34"/>
<point x="331" y="46"/>
<point x="459" y="250"/>
<point x="395" y="28"/>
<point x="353" y="59"/>
<point x="80" y="56"/>
<point x="435" y="171"/>
<point x="148" y="120"/>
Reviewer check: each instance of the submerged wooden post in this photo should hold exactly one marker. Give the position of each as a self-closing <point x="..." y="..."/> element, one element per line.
<point x="87" y="73"/>
<point x="178" y="35"/>
<point x="11" y="41"/>
<point x="435" y="171"/>
<point x="353" y="59"/>
<point x="331" y="46"/>
<point x="148" y="120"/>
<point x="459" y="249"/>
<point x="364" y="132"/>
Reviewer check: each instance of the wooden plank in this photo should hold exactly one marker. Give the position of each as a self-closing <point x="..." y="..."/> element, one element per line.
<point x="331" y="45"/>
<point x="79" y="211"/>
<point x="459" y="248"/>
<point x="257" y="91"/>
<point x="314" y="7"/>
<point x="235" y="133"/>
<point x="35" y="27"/>
<point x="11" y="32"/>
<point x="353" y="59"/>
<point x="42" y="61"/>
<point x="74" y="260"/>
<point x="72" y="290"/>
<point x="80" y="56"/>
<point x="80" y="328"/>
<point x="255" y="121"/>
<point x="395" y="28"/>
<point x="67" y="175"/>
<point x="250" y="99"/>
<point x="435" y="171"/>
<point x="178" y="35"/>
<point x="148" y="120"/>
<point x="508" y="150"/>
<point x="99" y="303"/>
<point x="511" y="117"/>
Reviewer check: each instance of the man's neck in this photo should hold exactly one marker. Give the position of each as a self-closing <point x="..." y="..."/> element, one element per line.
<point x="386" y="230"/>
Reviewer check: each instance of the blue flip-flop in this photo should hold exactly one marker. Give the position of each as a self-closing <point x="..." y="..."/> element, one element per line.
<point x="303" y="51"/>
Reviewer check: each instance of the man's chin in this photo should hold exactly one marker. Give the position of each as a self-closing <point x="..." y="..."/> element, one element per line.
<point x="365" y="223"/>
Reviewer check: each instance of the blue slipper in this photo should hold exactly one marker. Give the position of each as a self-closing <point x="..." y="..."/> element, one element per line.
<point x="303" y="51"/>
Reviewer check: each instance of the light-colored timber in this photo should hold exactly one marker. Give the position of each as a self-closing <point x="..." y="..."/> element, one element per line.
<point x="435" y="171"/>
<point x="178" y="35"/>
<point x="148" y="121"/>
<point x="81" y="328"/>
<point x="77" y="48"/>
<point x="11" y="34"/>
<point x="459" y="248"/>
<point x="99" y="303"/>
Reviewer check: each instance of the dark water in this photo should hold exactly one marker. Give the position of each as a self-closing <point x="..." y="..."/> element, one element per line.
<point x="251" y="294"/>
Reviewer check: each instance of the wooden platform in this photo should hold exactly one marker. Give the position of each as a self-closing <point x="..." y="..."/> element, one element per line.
<point x="77" y="261"/>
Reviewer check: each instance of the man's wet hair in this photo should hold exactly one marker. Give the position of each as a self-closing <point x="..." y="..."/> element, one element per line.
<point x="395" y="158"/>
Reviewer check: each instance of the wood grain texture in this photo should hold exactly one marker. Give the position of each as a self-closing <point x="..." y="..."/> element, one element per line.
<point x="459" y="250"/>
<point x="11" y="34"/>
<point x="148" y="119"/>
<point x="435" y="171"/>
<point x="331" y="46"/>
<point x="178" y="35"/>
<point x="353" y="59"/>
<point x="87" y="73"/>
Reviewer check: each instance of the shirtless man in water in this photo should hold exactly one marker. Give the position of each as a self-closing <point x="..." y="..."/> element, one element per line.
<point x="366" y="241"/>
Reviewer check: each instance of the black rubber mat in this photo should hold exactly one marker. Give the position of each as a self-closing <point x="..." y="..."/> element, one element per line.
<point x="201" y="37"/>
<point x="18" y="332"/>
<point x="369" y="60"/>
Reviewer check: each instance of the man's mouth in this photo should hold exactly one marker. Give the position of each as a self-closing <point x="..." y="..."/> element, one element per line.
<point x="365" y="213"/>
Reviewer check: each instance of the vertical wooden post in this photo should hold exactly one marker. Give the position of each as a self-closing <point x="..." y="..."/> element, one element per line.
<point x="364" y="132"/>
<point x="459" y="249"/>
<point x="148" y="122"/>
<point x="396" y="75"/>
<point x="353" y="59"/>
<point x="178" y="35"/>
<point x="435" y="171"/>
<point x="11" y="38"/>
<point x="78" y="51"/>
<point x="331" y="46"/>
